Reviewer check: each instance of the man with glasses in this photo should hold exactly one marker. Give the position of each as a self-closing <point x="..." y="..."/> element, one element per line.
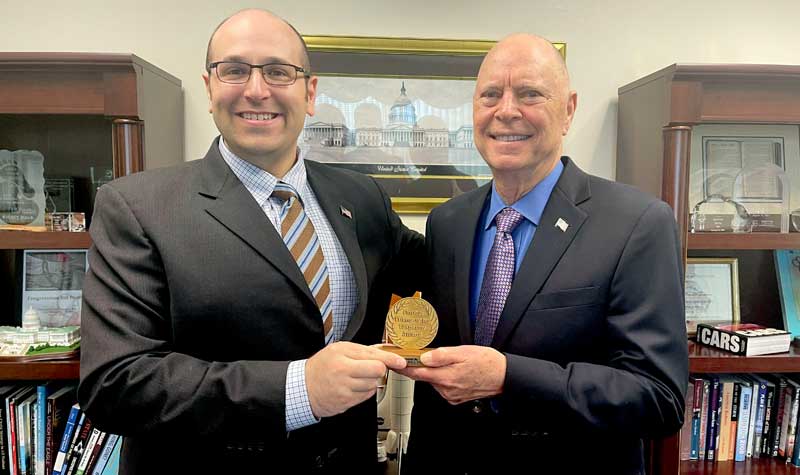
<point x="229" y="299"/>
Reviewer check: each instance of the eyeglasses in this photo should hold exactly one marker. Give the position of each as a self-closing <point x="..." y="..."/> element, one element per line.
<point x="275" y="74"/>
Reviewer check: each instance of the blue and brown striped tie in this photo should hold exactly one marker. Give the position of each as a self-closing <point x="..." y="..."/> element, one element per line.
<point x="301" y="240"/>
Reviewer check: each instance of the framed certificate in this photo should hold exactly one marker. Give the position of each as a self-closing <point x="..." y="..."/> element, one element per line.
<point x="712" y="291"/>
<point x="52" y="284"/>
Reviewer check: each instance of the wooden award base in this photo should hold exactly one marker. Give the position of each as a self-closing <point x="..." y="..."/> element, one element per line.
<point x="411" y="355"/>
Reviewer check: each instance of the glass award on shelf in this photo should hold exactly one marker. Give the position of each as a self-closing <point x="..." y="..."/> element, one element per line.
<point x="22" y="201"/>
<point x="764" y="191"/>
<point x="720" y="214"/>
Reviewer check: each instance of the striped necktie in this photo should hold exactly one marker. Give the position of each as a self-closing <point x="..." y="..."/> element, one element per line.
<point x="301" y="240"/>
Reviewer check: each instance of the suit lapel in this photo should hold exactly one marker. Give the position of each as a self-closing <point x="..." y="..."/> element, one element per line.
<point x="343" y="217"/>
<point x="466" y="222"/>
<point x="548" y="245"/>
<point x="234" y="207"/>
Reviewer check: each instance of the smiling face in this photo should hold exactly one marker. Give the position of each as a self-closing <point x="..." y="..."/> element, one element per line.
<point x="259" y="122"/>
<point x="522" y="108"/>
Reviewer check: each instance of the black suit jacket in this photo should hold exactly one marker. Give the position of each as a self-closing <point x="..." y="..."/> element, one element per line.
<point x="593" y="332"/>
<point x="194" y="307"/>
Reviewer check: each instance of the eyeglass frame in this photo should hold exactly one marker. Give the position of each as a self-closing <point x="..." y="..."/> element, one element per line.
<point x="298" y="69"/>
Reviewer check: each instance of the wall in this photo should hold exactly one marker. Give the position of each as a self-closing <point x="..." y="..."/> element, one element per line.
<point x="608" y="43"/>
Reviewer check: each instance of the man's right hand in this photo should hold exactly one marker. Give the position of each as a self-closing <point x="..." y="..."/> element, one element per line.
<point x="344" y="374"/>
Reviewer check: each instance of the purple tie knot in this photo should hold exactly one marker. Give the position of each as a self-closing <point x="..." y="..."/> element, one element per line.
<point x="507" y="220"/>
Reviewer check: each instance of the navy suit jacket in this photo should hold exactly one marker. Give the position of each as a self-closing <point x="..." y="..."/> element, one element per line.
<point x="194" y="308"/>
<point x="593" y="332"/>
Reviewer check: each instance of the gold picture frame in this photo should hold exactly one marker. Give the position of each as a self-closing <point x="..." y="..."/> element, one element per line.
<point x="711" y="291"/>
<point x="367" y="116"/>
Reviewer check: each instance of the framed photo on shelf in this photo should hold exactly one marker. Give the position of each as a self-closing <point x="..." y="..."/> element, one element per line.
<point x="52" y="284"/>
<point x="399" y="110"/>
<point x="712" y="291"/>
<point x="787" y="265"/>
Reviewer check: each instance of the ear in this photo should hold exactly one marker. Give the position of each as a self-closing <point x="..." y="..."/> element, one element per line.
<point x="207" y="81"/>
<point x="572" y="104"/>
<point x="311" y="94"/>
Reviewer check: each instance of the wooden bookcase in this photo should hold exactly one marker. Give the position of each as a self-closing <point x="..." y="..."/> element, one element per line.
<point x="657" y="115"/>
<point x="80" y="110"/>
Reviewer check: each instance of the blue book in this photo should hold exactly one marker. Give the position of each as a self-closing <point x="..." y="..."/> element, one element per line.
<point x="69" y="429"/>
<point x="112" y="467"/>
<point x="41" y="418"/>
<point x="105" y="455"/>
<point x="755" y="449"/>
<point x="743" y="425"/>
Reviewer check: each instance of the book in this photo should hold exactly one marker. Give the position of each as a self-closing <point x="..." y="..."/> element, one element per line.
<point x="5" y="391"/>
<point x="79" y="447"/>
<point x="746" y="339"/>
<point x="58" y="409"/>
<point x="743" y="428"/>
<point x="105" y="453"/>
<point x="75" y="418"/>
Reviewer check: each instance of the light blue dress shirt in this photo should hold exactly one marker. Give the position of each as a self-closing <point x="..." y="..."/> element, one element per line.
<point x="530" y="206"/>
<point x="344" y="292"/>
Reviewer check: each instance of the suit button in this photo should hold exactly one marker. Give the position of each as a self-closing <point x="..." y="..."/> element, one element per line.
<point x="477" y="407"/>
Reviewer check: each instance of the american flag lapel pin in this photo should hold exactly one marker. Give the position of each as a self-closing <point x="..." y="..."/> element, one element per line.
<point x="346" y="212"/>
<point x="562" y="225"/>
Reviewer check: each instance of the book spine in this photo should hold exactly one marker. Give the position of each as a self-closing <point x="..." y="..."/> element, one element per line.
<point x="761" y="410"/>
<point x="711" y="435"/>
<point x="69" y="430"/>
<point x="80" y="446"/>
<point x="87" y="451"/>
<point x="41" y="417"/>
<point x="48" y="436"/>
<point x="105" y="454"/>
<point x="12" y="436"/>
<point x="751" y="432"/>
<point x="94" y="453"/>
<point x="745" y="406"/>
<point x="768" y="422"/>
<point x="701" y="452"/>
<point x="721" y="339"/>
<point x="793" y="424"/>
<point x="777" y="428"/>
<point x="697" y="403"/>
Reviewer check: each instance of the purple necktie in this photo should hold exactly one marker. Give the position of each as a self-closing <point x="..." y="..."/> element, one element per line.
<point x="497" y="277"/>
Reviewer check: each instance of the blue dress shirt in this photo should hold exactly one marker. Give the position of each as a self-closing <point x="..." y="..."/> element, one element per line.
<point x="530" y="206"/>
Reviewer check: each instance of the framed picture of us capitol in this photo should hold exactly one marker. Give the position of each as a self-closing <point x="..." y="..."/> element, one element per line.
<point x="399" y="110"/>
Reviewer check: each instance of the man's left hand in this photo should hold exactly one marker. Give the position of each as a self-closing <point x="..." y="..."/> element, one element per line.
<point x="462" y="373"/>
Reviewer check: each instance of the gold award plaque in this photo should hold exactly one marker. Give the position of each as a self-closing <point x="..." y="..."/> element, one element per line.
<point x="411" y="325"/>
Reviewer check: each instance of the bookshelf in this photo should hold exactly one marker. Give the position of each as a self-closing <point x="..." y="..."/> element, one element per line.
<point x="657" y="117"/>
<point x="86" y="113"/>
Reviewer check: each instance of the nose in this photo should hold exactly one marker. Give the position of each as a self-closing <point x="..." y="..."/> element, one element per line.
<point x="508" y="108"/>
<point x="256" y="87"/>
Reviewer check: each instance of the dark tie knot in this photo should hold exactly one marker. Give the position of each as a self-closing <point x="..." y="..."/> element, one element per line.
<point x="284" y="191"/>
<point x="507" y="220"/>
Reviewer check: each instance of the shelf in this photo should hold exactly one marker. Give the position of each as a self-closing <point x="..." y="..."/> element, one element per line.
<point x="44" y="240"/>
<point x="703" y="359"/>
<point x="40" y="370"/>
<point x="766" y="466"/>
<point x="744" y="241"/>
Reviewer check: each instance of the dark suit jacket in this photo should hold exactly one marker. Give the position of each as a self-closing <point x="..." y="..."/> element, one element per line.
<point x="593" y="332"/>
<point x="194" y="307"/>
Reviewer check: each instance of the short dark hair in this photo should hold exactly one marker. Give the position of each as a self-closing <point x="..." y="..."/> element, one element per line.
<point x="306" y="62"/>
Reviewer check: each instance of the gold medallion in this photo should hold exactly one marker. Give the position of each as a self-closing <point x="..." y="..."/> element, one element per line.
<point x="411" y="325"/>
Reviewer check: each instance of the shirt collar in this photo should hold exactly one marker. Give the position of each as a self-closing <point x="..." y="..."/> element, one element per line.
<point x="531" y="205"/>
<point x="259" y="182"/>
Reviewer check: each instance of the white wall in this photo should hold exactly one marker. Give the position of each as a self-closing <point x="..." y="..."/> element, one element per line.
<point x="609" y="43"/>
